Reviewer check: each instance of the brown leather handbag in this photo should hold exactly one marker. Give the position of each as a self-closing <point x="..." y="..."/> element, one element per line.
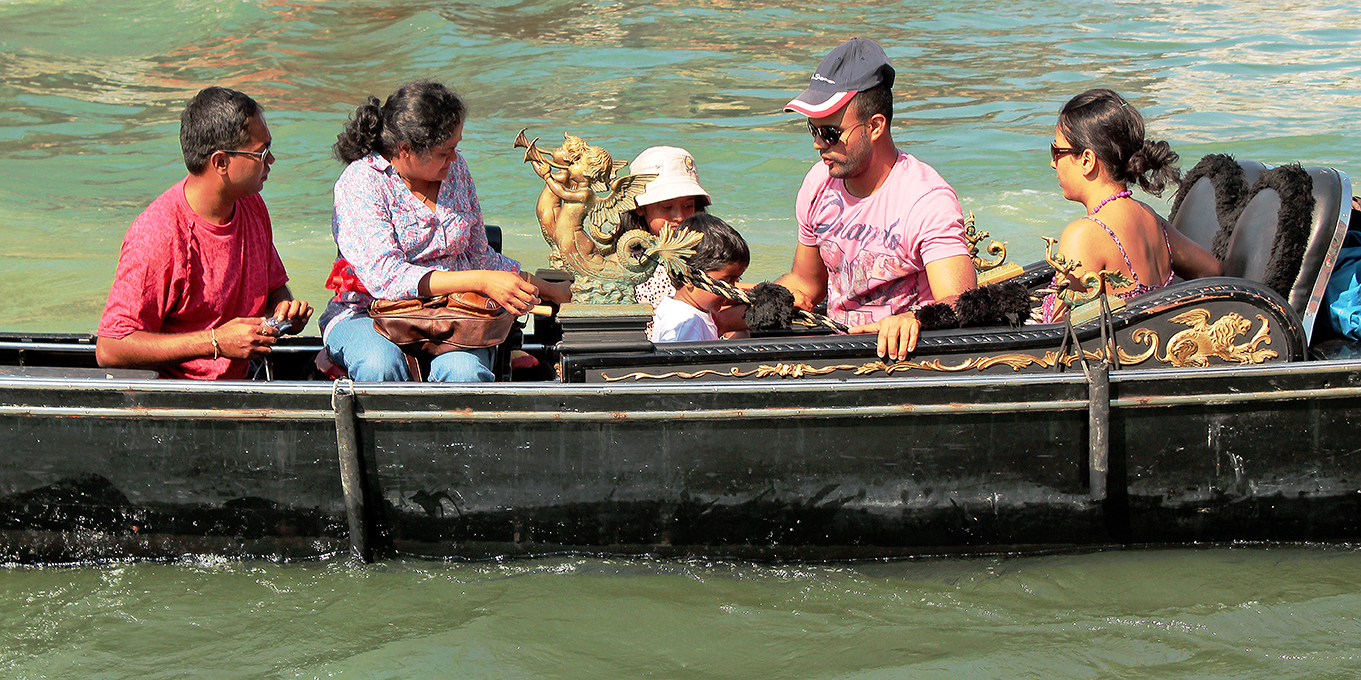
<point x="433" y="326"/>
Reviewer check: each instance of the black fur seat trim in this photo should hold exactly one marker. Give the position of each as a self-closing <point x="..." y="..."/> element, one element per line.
<point x="1294" y="223"/>
<point x="1230" y="188"/>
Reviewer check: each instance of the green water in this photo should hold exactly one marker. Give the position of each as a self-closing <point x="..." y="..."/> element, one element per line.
<point x="1279" y="613"/>
<point x="90" y="95"/>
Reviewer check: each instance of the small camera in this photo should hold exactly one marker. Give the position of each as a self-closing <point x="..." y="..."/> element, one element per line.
<point x="281" y="325"/>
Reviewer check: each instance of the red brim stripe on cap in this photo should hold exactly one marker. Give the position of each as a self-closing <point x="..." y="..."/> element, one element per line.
<point x="827" y="108"/>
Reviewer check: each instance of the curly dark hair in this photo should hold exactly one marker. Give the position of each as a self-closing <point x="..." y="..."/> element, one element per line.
<point x="720" y="247"/>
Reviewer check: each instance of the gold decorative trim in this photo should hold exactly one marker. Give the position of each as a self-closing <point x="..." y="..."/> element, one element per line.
<point x="1003" y="272"/>
<point x="1189" y="348"/>
<point x="1093" y="281"/>
<point x="1195" y="345"/>
<point x="783" y="370"/>
<point x="975" y="236"/>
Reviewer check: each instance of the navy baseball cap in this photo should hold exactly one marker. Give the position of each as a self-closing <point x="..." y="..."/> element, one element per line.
<point x="855" y="65"/>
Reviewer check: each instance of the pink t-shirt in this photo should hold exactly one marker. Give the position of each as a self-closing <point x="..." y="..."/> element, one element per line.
<point x="876" y="248"/>
<point x="179" y="273"/>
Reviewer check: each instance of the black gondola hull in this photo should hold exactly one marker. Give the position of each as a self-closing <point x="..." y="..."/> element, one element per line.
<point x="809" y="469"/>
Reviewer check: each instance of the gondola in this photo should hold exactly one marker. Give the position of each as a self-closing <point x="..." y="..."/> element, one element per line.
<point x="1216" y="410"/>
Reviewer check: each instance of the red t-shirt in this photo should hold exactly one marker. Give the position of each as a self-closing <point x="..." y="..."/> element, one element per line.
<point x="179" y="273"/>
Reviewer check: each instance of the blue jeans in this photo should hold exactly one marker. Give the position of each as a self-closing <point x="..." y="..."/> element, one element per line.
<point x="370" y="357"/>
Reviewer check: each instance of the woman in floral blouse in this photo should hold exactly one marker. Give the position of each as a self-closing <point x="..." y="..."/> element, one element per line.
<point x="408" y="224"/>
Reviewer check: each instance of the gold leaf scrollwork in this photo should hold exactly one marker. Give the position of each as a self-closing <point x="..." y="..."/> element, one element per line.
<point x="780" y="370"/>
<point x="796" y="371"/>
<point x="1191" y="347"/>
<point x="996" y="248"/>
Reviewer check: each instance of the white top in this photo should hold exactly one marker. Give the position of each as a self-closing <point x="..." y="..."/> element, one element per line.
<point x="676" y="321"/>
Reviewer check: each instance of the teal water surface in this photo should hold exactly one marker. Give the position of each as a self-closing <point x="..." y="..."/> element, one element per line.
<point x="90" y="95"/>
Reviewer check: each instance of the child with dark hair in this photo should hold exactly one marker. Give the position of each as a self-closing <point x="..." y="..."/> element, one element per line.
<point x="723" y="255"/>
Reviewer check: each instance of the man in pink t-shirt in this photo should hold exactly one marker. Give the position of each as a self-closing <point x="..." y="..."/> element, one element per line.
<point x="880" y="232"/>
<point x="198" y="270"/>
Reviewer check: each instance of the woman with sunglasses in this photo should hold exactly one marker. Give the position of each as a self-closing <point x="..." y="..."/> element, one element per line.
<point x="408" y="224"/>
<point x="1099" y="149"/>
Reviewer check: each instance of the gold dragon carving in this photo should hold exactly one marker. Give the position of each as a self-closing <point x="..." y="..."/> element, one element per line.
<point x="988" y="271"/>
<point x="975" y="238"/>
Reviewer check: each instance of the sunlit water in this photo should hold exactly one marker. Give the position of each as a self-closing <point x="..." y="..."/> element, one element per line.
<point x="91" y="94"/>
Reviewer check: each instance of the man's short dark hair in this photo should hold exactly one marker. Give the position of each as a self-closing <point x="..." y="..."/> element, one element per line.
<point x="877" y="99"/>
<point x="216" y="119"/>
<point x="721" y="246"/>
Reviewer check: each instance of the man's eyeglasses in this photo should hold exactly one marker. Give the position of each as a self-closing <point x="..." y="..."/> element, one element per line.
<point x="1055" y="151"/>
<point x="829" y="134"/>
<point x="259" y="155"/>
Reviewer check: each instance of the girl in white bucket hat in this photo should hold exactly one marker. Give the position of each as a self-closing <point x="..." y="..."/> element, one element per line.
<point x="670" y="198"/>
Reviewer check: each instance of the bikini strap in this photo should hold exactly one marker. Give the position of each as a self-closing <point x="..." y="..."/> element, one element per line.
<point x="1121" y="246"/>
<point x="1168" y="241"/>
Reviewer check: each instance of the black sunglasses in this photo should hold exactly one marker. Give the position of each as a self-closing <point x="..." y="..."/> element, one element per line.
<point x="1055" y="151"/>
<point x="829" y="134"/>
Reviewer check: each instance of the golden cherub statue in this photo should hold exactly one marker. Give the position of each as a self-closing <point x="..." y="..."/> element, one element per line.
<point x="579" y="210"/>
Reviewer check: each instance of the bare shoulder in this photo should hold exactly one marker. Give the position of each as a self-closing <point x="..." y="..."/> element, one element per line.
<point x="1081" y="232"/>
<point x="1088" y="243"/>
<point x="1154" y="213"/>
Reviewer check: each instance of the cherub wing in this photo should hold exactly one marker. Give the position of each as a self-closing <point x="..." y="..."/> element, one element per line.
<point x="600" y="187"/>
<point x="602" y="221"/>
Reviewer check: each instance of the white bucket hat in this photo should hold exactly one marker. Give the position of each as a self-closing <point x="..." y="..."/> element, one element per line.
<point x="676" y="174"/>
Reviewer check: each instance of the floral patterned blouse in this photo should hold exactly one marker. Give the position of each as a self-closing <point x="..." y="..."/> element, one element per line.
<point x="391" y="239"/>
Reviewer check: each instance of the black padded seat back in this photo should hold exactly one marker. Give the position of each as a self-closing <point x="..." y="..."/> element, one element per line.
<point x="1196" y="219"/>
<point x="494" y="237"/>
<point x="1252" y="238"/>
<point x="1288" y="233"/>
<point x="1332" y="217"/>
<point x="1209" y="198"/>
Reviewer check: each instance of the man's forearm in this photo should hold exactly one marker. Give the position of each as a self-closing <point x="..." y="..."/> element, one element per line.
<point x="143" y="349"/>
<point x="805" y="295"/>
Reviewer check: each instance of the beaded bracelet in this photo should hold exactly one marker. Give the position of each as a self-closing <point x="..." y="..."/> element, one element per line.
<point x="217" y="349"/>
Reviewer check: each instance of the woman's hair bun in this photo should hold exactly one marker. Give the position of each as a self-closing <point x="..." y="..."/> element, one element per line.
<point x="363" y="132"/>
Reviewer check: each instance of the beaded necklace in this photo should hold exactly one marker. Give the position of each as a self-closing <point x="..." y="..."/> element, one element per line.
<point x="1119" y="194"/>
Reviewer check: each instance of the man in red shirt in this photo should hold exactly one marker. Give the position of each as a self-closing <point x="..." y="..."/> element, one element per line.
<point x="198" y="271"/>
